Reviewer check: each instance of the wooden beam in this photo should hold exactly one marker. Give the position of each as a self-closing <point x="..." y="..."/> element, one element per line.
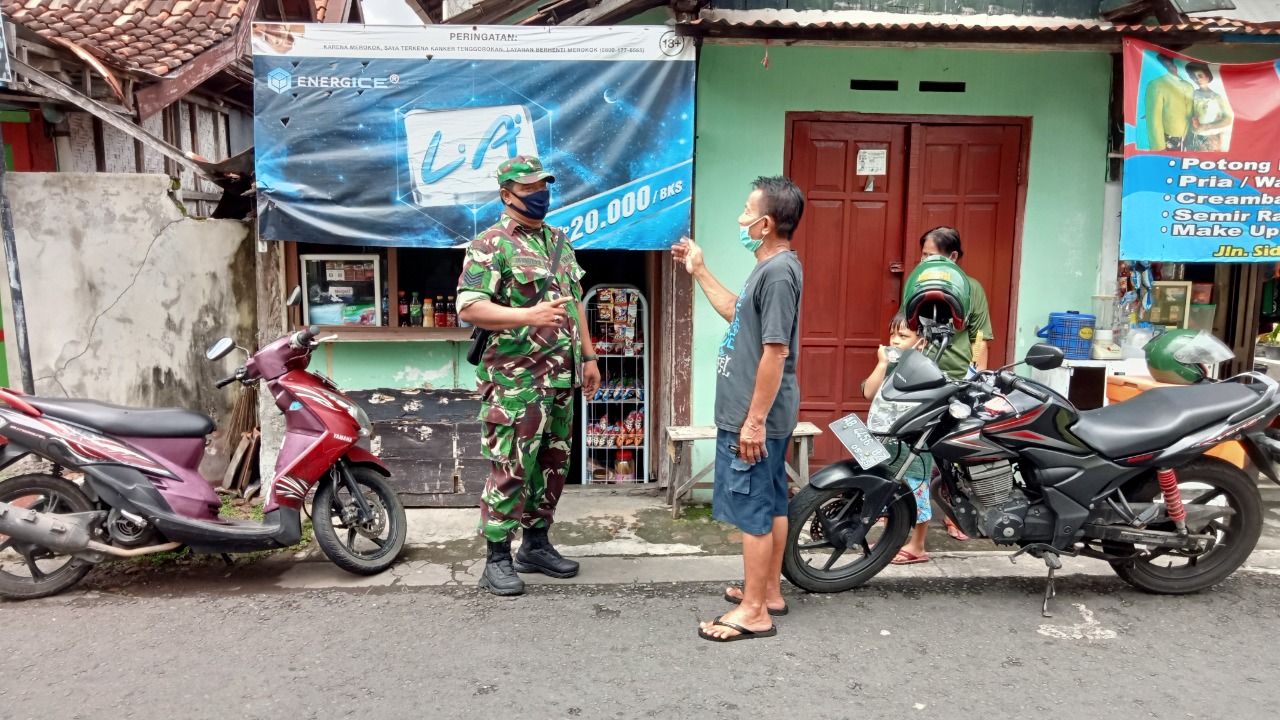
<point x="155" y="97"/>
<point x="487" y="11"/>
<point x="102" y="112"/>
<point x="608" y="10"/>
<point x="338" y="11"/>
<point x="99" y="146"/>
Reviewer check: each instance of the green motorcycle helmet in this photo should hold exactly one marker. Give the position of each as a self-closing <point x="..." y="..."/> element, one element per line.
<point x="1183" y="357"/>
<point x="936" y="290"/>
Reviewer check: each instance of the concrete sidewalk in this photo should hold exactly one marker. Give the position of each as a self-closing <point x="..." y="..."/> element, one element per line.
<point x="622" y="536"/>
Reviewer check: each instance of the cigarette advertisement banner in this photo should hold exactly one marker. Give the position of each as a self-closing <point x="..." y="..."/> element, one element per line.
<point x="1201" y="159"/>
<point x="378" y="135"/>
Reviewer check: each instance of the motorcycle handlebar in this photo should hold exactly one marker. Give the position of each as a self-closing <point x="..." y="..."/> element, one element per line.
<point x="1009" y="381"/>
<point x="302" y="338"/>
<point x="225" y="381"/>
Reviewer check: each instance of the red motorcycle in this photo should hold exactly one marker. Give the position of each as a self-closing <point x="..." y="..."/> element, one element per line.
<point x="142" y="492"/>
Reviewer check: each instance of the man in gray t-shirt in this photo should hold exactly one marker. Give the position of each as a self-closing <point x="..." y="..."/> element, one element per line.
<point x="757" y="400"/>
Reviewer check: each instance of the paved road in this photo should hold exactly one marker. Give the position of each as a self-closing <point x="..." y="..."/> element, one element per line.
<point x="900" y="648"/>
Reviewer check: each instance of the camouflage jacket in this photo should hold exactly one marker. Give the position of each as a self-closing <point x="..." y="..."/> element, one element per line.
<point x="508" y="263"/>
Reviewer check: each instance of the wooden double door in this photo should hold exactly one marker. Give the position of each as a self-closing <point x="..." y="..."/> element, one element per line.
<point x="873" y="186"/>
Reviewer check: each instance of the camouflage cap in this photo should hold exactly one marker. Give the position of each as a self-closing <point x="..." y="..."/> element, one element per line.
<point x="523" y="169"/>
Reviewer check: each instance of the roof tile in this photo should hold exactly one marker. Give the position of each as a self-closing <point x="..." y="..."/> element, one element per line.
<point x="153" y="36"/>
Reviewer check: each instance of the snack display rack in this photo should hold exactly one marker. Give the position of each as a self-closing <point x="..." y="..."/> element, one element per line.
<point x="614" y="421"/>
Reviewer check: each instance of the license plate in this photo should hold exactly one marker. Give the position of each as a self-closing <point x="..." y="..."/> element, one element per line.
<point x="867" y="450"/>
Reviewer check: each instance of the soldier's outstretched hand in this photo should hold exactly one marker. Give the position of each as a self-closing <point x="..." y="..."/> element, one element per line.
<point x="687" y="253"/>
<point x="549" y="313"/>
<point x="590" y="379"/>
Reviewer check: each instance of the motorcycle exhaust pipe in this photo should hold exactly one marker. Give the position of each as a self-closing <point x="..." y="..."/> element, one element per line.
<point x="67" y="534"/>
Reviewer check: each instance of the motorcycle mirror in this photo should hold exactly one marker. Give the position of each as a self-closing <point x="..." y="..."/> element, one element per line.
<point x="295" y="297"/>
<point x="219" y="350"/>
<point x="1043" y="356"/>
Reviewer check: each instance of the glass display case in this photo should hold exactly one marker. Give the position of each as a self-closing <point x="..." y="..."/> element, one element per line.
<point x="342" y="290"/>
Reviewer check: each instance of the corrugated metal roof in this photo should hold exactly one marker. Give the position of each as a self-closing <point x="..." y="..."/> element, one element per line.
<point x="726" y="21"/>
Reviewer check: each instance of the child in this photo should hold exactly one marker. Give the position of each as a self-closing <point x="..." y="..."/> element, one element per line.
<point x="902" y="337"/>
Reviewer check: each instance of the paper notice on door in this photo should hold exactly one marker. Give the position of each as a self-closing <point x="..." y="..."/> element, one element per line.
<point x="873" y="162"/>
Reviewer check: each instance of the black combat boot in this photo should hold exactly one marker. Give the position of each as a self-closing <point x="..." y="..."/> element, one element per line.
<point x="499" y="578"/>
<point x="537" y="555"/>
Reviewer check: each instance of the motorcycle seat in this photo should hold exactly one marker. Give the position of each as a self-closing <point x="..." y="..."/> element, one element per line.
<point x="1159" y="418"/>
<point x="126" y="421"/>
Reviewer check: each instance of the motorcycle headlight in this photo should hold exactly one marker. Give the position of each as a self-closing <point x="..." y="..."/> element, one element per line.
<point x="884" y="414"/>
<point x="362" y="419"/>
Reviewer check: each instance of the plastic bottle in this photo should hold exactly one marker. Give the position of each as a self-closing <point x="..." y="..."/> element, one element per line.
<point x="451" y="312"/>
<point x="403" y="314"/>
<point x="415" y="311"/>
<point x="386" y="306"/>
<point x="441" y="320"/>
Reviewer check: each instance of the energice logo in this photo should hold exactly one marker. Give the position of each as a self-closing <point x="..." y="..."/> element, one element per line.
<point x="454" y="154"/>
<point x="279" y="80"/>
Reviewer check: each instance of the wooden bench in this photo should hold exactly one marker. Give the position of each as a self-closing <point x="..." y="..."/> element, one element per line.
<point x="680" y="476"/>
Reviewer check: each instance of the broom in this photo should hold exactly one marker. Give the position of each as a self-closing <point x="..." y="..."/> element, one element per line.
<point x="241" y="434"/>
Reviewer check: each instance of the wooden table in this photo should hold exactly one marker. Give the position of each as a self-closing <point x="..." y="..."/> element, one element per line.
<point x="681" y="478"/>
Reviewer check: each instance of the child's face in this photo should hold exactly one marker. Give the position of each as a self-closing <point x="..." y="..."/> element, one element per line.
<point x="903" y="338"/>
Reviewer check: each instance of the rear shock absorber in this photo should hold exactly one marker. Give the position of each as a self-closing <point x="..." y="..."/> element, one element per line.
<point x="1173" y="499"/>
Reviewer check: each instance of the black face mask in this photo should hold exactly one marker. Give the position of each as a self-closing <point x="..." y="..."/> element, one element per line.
<point x="536" y="204"/>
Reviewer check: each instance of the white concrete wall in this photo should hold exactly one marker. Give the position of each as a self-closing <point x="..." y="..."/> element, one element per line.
<point x="123" y="292"/>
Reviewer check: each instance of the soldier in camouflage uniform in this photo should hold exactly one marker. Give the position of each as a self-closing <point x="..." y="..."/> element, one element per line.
<point x="527" y="376"/>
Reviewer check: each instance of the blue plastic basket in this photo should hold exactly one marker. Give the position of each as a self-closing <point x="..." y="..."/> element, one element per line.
<point x="1072" y="331"/>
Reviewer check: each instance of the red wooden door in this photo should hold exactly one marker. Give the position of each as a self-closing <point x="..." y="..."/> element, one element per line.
<point x="966" y="176"/>
<point x="859" y="231"/>
<point x="850" y="234"/>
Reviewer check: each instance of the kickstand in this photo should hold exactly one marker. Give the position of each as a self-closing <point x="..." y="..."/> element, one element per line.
<point x="1054" y="563"/>
<point x="1050" y="556"/>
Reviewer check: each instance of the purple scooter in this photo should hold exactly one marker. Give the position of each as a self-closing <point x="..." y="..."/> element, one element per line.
<point x="142" y="492"/>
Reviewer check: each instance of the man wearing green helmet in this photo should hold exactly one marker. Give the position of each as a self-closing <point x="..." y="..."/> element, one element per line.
<point x="969" y="347"/>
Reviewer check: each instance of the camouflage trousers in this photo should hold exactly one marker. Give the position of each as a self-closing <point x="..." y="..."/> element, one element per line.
<point x="527" y="438"/>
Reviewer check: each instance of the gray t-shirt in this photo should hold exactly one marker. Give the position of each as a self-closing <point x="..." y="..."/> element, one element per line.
<point x="768" y="311"/>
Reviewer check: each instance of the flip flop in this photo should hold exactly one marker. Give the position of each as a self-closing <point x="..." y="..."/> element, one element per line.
<point x="738" y="601"/>
<point x="743" y="633"/>
<point x="906" y="558"/>
<point x="954" y="531"/>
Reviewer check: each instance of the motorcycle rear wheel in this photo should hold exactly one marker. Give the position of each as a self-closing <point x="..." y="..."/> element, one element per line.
<point x="1207" y="480"/>
<point x="30" y="571"/>
<point x="809" y="560"/>
<point x="359" y="548"/>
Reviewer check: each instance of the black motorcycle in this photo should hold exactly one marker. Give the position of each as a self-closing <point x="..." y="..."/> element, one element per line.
<point x="1128" y="484"/>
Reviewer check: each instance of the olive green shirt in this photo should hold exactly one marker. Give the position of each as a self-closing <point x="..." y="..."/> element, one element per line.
<point x="956" y="360"/>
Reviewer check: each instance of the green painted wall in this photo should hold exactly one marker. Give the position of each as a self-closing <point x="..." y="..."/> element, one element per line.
<point x="741" y="132"/>
<point x="374" y="365"/>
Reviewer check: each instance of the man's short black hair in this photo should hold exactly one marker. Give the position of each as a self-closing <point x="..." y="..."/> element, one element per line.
<point x="782" y="200"/>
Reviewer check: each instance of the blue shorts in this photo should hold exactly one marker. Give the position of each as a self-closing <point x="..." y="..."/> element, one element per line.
<point x="749" y="496"/>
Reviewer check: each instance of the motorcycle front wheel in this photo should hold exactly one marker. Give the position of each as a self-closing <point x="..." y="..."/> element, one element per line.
<point x="360" y="547"/>
<point x="816" y="560"/>
<point x="1207" y="481"/>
